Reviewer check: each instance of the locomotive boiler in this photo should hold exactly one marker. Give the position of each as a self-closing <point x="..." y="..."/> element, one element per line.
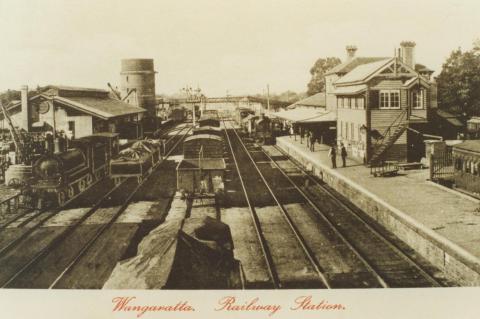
<point x="58" y="178"/>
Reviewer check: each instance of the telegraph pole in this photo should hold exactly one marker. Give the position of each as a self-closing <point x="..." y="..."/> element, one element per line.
<point x="268" y="98"/>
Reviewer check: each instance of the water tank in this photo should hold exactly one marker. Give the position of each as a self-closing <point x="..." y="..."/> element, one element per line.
<point x="139" y="75"/>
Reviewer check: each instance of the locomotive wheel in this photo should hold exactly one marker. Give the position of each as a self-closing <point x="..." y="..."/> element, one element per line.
<point x="82" y="185"/>
<point x="61" y="198"/>
<point x="70" y="192"/>
<point x="89" y="179"/>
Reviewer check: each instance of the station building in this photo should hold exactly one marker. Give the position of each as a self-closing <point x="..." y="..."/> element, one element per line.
<point x="311" y="114"/>
<point x="77" y="112"/>
<point x="383" y="105"/>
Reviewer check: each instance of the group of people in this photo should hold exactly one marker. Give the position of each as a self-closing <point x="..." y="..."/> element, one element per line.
<point x="332" y="153"/>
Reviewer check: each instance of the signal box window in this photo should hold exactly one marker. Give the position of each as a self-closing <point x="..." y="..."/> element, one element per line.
<point x="389" y="99"/>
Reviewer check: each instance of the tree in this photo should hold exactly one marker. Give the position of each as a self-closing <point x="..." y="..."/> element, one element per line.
<point x="317" y="82"/>
<point x="459" y="82"/>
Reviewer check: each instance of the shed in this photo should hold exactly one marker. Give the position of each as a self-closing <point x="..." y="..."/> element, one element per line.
<point x="203" y="175"/>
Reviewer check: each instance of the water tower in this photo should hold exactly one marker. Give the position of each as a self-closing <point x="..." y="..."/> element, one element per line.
<point x="138" y="75"/>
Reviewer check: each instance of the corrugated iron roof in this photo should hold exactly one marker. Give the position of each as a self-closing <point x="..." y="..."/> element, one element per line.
<point x="98" y="104"/>
<point x="101" y="107"/>
<point x="316" y="100"/>
<point x="203" y="136"/>
<point x="348" y="66"/>
<point x="363" y="71"/>
<point x="449" y="117"/>
<point x="352" y="89"/>
<point x="306" y="116"/>
<point x="470" y="145"/>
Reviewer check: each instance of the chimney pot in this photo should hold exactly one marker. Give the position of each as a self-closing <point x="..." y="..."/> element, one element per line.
<point x="408" y="53"/>
<point x="351" y="49"/>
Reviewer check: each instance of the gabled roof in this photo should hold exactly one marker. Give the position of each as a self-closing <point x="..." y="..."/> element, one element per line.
<point x="95" y="102"/>
<point x="316" y="100"/>
<point x="348" y="66"/>
<point x="101" y="107"/>
<point x="362" y="72"/>
<point x="417" y="79"/>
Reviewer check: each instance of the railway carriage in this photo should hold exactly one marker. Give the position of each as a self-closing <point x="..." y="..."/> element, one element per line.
<point x="203" y="145"/>
<point x="60" y="177"/>
<point x="209" y="121"/>
<point x="210" y="130"/>
<point x="202" y="169"/>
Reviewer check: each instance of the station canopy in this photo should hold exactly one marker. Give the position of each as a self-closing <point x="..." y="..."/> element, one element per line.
<point x="306" y="115"/>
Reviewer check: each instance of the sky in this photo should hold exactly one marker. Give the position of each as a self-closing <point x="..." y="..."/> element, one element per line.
<point x="234" y="46"/>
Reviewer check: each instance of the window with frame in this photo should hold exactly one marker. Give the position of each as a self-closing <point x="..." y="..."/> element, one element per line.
<point x="389" y="99"/>
<point x="353" y="102"/>
<point x="346" y="102"/>
<point x="339" y="102"/>
<point x="360" y="103"/>
<point x="417" y="99"/>
<point x="352" y="131"/>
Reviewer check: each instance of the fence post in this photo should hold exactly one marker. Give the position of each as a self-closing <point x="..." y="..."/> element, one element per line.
<point x="430" y="165"/>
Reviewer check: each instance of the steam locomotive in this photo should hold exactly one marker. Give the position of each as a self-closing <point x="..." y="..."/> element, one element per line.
<point x="58" y="178"/>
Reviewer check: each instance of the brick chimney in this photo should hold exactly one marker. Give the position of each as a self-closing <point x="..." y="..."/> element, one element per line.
<point x="351" y="49"/>
<point x="408" y="53"/>
<point x="25" y="113"/>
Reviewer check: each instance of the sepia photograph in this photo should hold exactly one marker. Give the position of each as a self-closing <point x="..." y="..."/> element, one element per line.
<point x="236" y="149"/>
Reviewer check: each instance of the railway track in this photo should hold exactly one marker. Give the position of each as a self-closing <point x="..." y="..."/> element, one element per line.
<point x="299" y="268"/>
<point x="343" y="250"/>
<point x="20" y="277"/>
<point x="386" y="254"/>
<point x="29" y="214"/>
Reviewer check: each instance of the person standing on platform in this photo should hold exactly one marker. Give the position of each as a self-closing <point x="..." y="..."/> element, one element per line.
<point x="332" y="153"/>
<point x="343" y="154"/>
<point x="312" y="142"/>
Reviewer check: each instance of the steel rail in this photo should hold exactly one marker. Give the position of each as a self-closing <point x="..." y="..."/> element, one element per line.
<point x="67" y="231"/>
<point x="119" y="212"/>
<point x="307" y="251"/>
<point x="394" y="247"/>
<point x="331" y="225"/>
<point x="256" y="222"/>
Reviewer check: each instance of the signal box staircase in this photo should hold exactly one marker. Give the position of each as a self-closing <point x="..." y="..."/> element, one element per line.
<point x="389" y="137"/>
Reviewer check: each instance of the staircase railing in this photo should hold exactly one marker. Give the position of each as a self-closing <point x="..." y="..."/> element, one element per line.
<point x="399" y="121"/>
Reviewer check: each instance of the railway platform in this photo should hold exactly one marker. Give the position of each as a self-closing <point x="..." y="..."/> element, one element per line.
<point x="438" y="223"/>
